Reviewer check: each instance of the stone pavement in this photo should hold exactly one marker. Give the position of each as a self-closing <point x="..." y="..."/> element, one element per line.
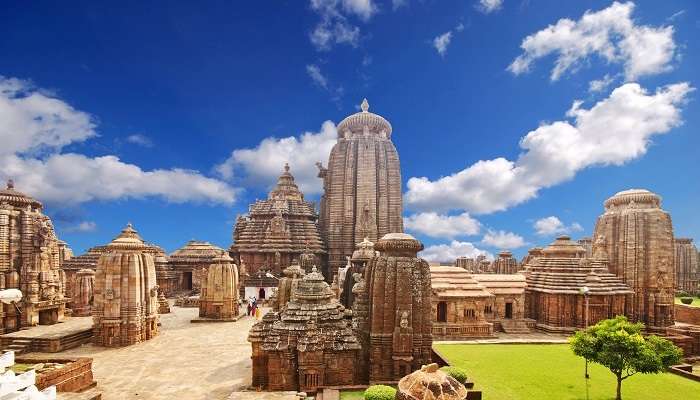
<point x="63" y="328"/>
<point x="185" y="361"/>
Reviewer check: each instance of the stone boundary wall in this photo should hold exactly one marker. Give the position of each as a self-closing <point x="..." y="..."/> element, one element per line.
<point x="75" y="376"/>
<point x="687" y="314"/>
<point x="678" y="371"/>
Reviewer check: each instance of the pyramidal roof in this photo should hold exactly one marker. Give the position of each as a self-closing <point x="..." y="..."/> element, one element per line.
<point x="286" y="188"/>
<point x="195" y="251"/>
<point x="128" y="239"/>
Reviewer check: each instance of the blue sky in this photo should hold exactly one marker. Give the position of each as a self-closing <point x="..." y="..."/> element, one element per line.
<point x="175" y="117"/>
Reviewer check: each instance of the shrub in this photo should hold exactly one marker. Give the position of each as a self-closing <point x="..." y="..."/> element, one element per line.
<point x="380" y="392"/>
<point x="682" y="293"/>
<point x="687" y="300"/>
<point x="459" y="374"/>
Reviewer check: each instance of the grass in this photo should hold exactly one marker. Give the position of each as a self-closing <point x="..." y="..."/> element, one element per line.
<point x="695" y="303"/>
<point x="519" y="372"/>
<point x="352" y="395"/>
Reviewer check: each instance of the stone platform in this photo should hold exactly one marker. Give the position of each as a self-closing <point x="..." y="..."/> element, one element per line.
<point x="202" y="320"/>
<point x="70" y="333"/>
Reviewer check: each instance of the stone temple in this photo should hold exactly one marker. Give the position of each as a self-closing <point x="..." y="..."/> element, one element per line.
<point x="555" y="280"/>
<point x="125" y="309"/>
<point x="308" y="344"/>
<point x="399" y="325"/>
<point x="362" y="187"/>
<point x="687" y="266"/>
<point x="278" y="230"/>
<point x="30" y="260"/>
<point x="190" y="263"/>
<point x="219" y="297"/>
<point x="636" y="235"/>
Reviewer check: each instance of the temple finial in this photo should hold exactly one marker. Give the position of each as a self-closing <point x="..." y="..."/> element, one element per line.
<point x="286" y="167"/>
<point x="365" y="105"/>
<point x="10" y="184"/>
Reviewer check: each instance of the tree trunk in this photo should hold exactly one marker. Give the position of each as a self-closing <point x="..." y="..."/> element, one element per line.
<point x="619" y="388"/>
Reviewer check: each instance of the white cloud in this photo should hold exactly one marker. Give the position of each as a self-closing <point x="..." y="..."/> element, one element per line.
<point x="610" y="34"/>
<point x="139" y="139"/>
<point x="441" y="42"/>
<point x="35" y="126"/>
<point x="85" y="226"/>
<point x="334" y="27"/>
<point x="442" y="226"/>
<point x="263" y="164"/>
<point x="503" y="240"/>
<point x="489" y="6"/>
<point x="315" y="73"/>
<point x="613" y="131"/>
<point x="676" y="15"/>
<point x="552" y="225"/>
<point x="450" y="252"/>
<point x="599" y="85"/>
<point x="31" y="121"/>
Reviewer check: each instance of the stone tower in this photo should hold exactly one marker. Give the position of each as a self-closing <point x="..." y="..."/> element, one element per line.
<point x="125" y="309"/>
<point x="279" y="230"/>
<point x="30" y="260"/>
<point x="362" y="187"/>
<point x="219" y="297"/>
<point x="400" y="320"/>
<point x="636" y="237"/>
<point x="504" y="264"/>
<point x="687" y="266"/>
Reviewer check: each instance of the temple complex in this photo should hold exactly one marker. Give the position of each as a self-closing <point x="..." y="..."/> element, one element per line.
<point x="30" y="260"/>
<point x="399" y="302"/>
<point x="567" y="291"/>
<point x="358" y="262"/>
<point x="189" y="264"/>
<point x="505" y="263"/>
<point x="459" y="304"/>
<point x="75" y="264"/>
<point x="279" y="230"/>
<point x="125" y="309"/>
<point x="687" y="266"/>
<point x="219" y="296"/>
<point x="362" y="187"/>
<point x="308" y="344"/>
<point x="636" y="236"/>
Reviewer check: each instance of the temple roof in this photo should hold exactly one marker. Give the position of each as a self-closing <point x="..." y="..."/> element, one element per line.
<point x="284" y="222"/>
<point x="563" y="268"/>
<point x="128" y="239"/>
<point x="502" y="283"/>
<point x="356" y="122"/>
<point x="17" y="199"/>
<point x="196" y="252"/>
<point x="454" y="282"/>
<point x="632" y="197"/>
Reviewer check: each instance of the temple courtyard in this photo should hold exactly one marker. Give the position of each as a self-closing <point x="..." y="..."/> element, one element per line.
<point x="185" y="361"/>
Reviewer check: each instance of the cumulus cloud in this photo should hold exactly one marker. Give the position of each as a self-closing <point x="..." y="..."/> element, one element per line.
<point x="552" y="225"/>
<point x="139" y="139"/>
<point x="35" y="126"/>
<point x="613" y="131"/>
<point x="442" y="226"/>
<point x="263" y="164"/>
<point x="85" y="226"/>
<point x="503" y="240"/>
<point x="334" y="26"/>
<point x="489" y="6"/>
<point x="441" y="42"/>
<point x="610" y="33"/>
<point x="450" y="252"/>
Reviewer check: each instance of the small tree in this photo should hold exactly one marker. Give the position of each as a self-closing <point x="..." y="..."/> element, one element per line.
<point x="619" y="345"/>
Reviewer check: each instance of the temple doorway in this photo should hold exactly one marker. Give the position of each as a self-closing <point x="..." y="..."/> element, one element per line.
<point x="261" y="294"/>
<point x="442" y="312"/>
<point x="509" y="310"/>
<point x="187" y="280"/>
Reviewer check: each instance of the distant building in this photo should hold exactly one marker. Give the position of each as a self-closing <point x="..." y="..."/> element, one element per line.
<point x="687" y="266"/>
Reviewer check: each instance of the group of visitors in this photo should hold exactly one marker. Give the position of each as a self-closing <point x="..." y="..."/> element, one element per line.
<point x="253" y="309"/>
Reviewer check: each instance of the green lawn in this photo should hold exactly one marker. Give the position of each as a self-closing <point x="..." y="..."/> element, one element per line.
<point x="352" y="395"/>
<point x="695" y="303"/>
<point x="552" y="371"/>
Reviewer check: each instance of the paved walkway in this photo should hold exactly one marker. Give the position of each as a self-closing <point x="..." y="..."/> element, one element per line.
<point x="185" y="361"/>
<point x="66" y="327"/>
